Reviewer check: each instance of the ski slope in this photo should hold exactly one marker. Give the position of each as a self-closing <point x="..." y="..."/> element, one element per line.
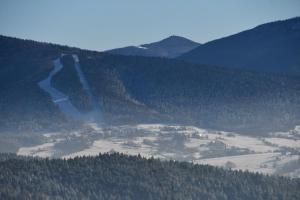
<point x="95" y="115"/>
<point x="58" y="97"/>
<point x="62" y="100"/>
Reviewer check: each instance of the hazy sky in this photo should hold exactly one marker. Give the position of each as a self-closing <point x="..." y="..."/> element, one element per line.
<point x="104" y="24"/>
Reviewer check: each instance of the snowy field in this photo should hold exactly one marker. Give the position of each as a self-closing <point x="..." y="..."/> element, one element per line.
<point x="276" y="154"/>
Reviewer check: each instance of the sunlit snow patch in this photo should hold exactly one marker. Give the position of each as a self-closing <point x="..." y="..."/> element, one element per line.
<point x="141" y="47"/>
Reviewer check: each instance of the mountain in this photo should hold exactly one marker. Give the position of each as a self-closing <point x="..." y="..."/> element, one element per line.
<point x="135" y="89"/>
<point x="272" y="47"/>
<point x="118" y="176"/>
<point x="170" y="47"/>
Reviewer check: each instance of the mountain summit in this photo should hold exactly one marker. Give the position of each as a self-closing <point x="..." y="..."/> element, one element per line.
<point x="170" y="47"/>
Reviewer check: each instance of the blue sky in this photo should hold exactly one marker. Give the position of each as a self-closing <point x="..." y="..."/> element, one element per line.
<point x="105" y="24"/>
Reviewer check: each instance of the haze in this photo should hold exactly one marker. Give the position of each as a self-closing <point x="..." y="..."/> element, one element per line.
<point x="101" y="25"/>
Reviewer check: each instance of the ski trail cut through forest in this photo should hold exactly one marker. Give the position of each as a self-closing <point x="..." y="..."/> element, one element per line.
<point x="96" y="113"/>
<point x="58" y="97"/>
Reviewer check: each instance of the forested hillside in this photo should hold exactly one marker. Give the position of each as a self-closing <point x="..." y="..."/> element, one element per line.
<point x="24" y="106"/>
<point x="68" y="79"/>
<point x="134" y="89"/>
<point x="201" y="95"/>
<point x="117" y="176"/>
<point x="272" y="47"/>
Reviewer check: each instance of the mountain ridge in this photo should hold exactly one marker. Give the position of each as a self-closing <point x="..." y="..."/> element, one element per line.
<point x="271" y="47"/>
<point x="169" y="47"/>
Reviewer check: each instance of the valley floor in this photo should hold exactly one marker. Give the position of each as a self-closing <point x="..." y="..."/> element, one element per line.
<point x="279" y="153"/>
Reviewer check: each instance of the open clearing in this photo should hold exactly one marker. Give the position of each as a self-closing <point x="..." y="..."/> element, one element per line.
<point x="185" y="143"/>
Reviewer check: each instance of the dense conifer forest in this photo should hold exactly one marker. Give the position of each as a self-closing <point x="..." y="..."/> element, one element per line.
<point x="136" y="89"/>
<point x="118" y="176"/>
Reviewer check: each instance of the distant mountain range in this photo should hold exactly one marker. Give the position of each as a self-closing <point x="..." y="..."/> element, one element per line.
<point x="271" y="47"/>
<point x="170" y="47"/>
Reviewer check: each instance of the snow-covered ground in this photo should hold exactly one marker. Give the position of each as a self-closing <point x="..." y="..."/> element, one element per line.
<point x="63" y="101"/>
<point x="284" y="142"/>
<point x="258" y="162"/>
<point x="141" y="47"/>
<point x="43" y="150"/>
<point x="272" y="155"/>
<point x="95" y="115"/>
<point x="58" y="97"/>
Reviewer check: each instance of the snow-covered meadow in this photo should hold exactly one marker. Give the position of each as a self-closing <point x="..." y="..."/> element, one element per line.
<point x="275" y="154"/>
